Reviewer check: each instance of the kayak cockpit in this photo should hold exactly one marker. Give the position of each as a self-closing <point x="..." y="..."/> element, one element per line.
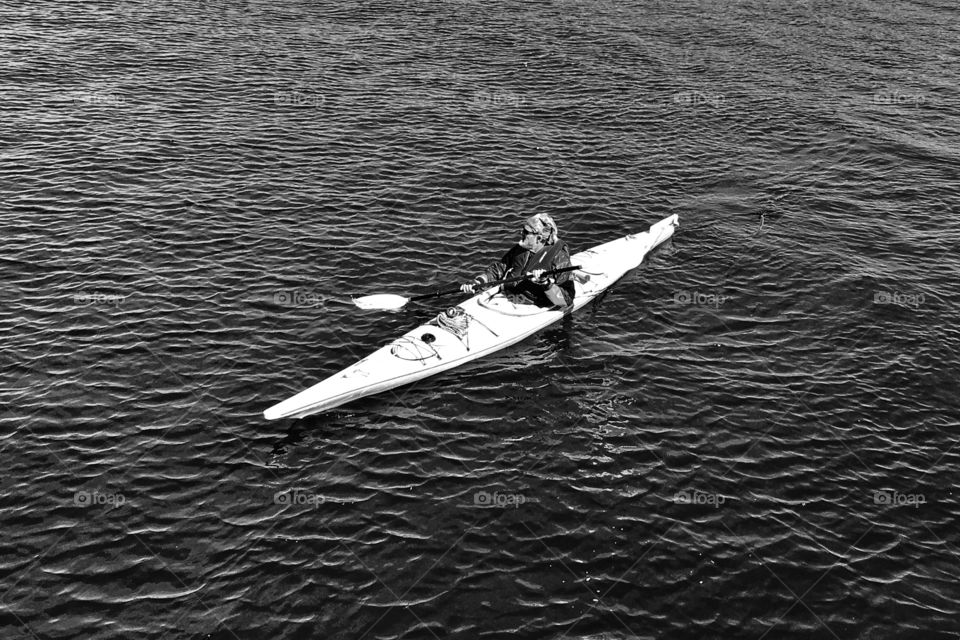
<point x="503" y="304"/>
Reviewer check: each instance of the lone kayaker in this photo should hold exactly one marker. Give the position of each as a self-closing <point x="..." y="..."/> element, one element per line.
<point x="539" y="249"/>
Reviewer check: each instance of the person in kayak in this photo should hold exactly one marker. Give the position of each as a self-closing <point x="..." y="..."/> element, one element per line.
<point x="539" y="249"/>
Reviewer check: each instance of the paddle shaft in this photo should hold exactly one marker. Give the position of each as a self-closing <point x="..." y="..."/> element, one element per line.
<point x="445" y="292"/>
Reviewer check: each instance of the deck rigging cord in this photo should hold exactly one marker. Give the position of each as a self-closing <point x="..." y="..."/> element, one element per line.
<point x="455" y="320"/>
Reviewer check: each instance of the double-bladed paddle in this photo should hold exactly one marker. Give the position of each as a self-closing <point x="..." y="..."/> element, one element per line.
<point x="393" y="301"/>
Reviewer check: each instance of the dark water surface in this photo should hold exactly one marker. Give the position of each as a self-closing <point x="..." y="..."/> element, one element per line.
<point x="750" y="436"/>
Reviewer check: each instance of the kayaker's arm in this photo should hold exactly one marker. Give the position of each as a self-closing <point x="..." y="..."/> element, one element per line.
<point x="497" y="271"/>
<point x="479" y="281"/>
<point x="562" y="261"/>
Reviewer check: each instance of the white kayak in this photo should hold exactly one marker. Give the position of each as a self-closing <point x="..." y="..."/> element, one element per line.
<point x="485" y="323"/>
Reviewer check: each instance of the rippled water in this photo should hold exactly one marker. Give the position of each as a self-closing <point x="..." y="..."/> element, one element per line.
<point x="752" y="435"/>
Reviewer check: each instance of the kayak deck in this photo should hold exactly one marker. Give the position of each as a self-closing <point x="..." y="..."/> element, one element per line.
<point x="488" y="322"/>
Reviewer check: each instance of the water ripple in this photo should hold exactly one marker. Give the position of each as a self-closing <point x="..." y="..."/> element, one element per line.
<point x="760" y="414"/>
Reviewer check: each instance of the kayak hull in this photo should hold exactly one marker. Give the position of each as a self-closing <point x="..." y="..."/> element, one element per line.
<point x="490" y="322"/>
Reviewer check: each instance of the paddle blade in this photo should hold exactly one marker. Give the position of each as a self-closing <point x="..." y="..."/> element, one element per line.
<point x="381" y="301"/>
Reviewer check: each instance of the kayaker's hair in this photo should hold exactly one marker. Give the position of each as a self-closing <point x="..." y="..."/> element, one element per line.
<point x="550" y="231"/>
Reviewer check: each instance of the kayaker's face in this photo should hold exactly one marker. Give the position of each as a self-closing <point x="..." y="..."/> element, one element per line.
<point x="530" y="240"/>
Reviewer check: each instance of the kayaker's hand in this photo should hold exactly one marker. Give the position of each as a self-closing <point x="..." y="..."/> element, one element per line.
<point x="537" y="276"/>
<point x="472" y="287"/>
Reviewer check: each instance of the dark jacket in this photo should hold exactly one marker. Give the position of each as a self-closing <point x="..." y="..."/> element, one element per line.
<point x="518" y="261"/>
